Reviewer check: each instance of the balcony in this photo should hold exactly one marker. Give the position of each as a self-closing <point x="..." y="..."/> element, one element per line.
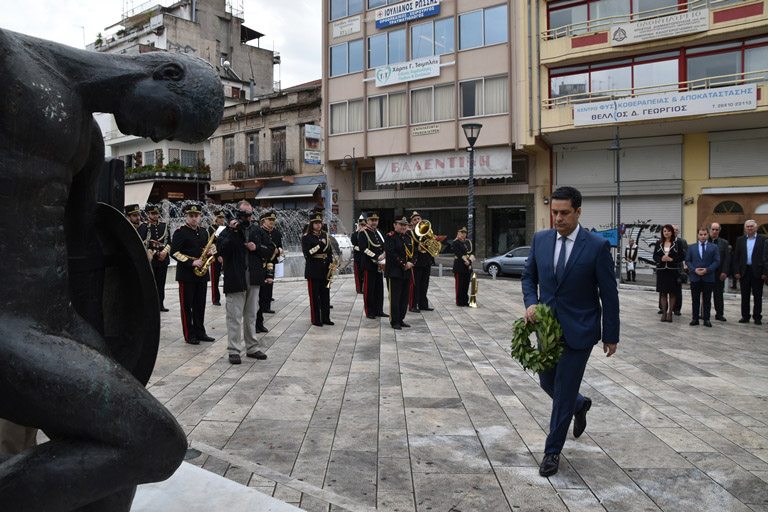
<point x="260" y="170"/>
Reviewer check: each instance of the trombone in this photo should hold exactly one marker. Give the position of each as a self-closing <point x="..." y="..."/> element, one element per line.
<point x="426" y="238"/>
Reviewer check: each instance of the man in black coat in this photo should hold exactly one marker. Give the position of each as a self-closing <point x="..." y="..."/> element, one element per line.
<point x="272" y="238"/>
<point x="372" y="248"/>
<point x="750" y="265"/>
<point x="187" y="249"/>
<point x="401" y="258"/>
<point x="242" y="250"/>
<point x="462" y="266"/>
<point x="357" y="255"/>
<point x="158" y="245"/>
<point x="316" y="246"/>
<point x="420" y="283"/>
<point x="721" y="274"/>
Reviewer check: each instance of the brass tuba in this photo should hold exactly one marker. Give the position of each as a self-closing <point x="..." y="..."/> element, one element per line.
<point x="473" y="291"/>
<point x="427" y="241"/>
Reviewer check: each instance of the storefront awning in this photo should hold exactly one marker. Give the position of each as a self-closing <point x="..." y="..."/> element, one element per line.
<point x="138" y="193"/>
<point x="447" y="165"/>
<point x="287" y="192"/>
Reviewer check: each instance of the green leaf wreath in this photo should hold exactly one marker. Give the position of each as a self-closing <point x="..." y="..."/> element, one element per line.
<point x="549" y="334"/>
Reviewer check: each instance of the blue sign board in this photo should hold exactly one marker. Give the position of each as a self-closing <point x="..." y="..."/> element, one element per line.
<point x="612" y="235"/>
<point x="406" y="11"/>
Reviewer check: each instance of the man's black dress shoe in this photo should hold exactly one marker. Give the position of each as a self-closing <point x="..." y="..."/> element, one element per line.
<point x="721" y="318"/>
<point x="257" y="355"/>
<point x="549" y="464"/>
<point x="328" y="322"/>
<point x="382" y="314"/>
<point x="397" y="327"/>
<point x="234" y="359"/>
<point x="318" y="324"/>
<point x="403" y="324"/>
<point x="758" y="321"/>
<point x="271" y="312"/>
<point x="372" y="317"/>
<point x="414" y="310"/>
<point x="330" y="306"/>
<point x="205" y="337"/>
<point x="707" y="323"/>
<point x="694" y="322"/>
<point x="427" y="309"/>
<point x="743" y="320"/>
<point x="580" y="418"/>
<point x="164" y="309"/>
<point x="193" y="341"/>
<point x="677" y="313"/>
<point x="261" y="328"/>
<point x="217" y="303"/>
<point x="658" y="312"/>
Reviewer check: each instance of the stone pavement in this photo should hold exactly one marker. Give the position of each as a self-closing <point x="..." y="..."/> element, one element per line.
<point x="438" y="417"/>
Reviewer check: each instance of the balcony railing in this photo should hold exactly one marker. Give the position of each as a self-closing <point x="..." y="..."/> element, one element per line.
<point x="750" y="77"/>
<point x="603" y="24"/>
<point x="261" y="169"/>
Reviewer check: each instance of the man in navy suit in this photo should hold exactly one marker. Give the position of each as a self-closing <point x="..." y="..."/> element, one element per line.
<point x="571" y="270"/>
<point x="703" y="259"/>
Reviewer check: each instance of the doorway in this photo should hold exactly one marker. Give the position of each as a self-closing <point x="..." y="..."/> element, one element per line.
<point x="507" y="229"/>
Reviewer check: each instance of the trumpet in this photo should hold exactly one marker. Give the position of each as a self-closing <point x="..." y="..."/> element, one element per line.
<point x="473" y="291"/>
<point x="332" y="267"/>
<point x="427" y="241"/>
<point x="208" y="259"/>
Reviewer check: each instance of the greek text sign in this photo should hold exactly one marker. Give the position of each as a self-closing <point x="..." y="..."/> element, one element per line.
<point x="418" y="69"/>
<point x="312" y="157"/>
<point x="660" y="28"/>
<point x="406" y="11"/>
<point x="346" y="27"/>
<point x="425" y="129"/>
<point x="665" y="105"/>
<point x="447" y="165"/>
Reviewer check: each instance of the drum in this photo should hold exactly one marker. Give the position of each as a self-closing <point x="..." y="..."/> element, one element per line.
<point x="343" y="248"/>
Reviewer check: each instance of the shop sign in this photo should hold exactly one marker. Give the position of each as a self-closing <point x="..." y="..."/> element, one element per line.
<point x="665" y="105"/>
<point x="425" y="129"/>
<point x="406" y="11"/>
<point x="175" y="195"/>
<point x="447" y="165"/>
<point x="611" y="235"/>
<point x="660" y="28"/>
<point x="346" y="27"/>
<point x="418" y="69"/>
<point x="312" y="157"/>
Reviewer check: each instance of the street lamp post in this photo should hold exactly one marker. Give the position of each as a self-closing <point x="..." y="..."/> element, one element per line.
<point x="351" y="165"/>
<point x="471" y="132"/>
<point x="616" y="147"/>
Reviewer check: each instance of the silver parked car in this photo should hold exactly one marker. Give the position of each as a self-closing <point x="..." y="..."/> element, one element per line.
<point x="511" y="263"/>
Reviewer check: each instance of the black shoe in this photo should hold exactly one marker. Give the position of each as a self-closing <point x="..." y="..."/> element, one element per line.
<point x="403" y="324"/>
<point x="317" y="324"/>
<point x="193" y="341"/>
<point x="580" y="418"/>
<point x="328" y="322"/>
<point x="257" y="355"/>
<point x="372" y="317"/>
<point x="414" y="310"/>
<point x="382" y="315"/>
<point x="549" y="464"/>
<point x="234" y="359"/>
<point x="330" y="306"/>
<point x="205" y="337"/>
<point x="721" y="318"/>
<point x="397" y="327"/>
<point x="758" y="321"/>
<point x="271" y="312"/>
<point x="659" y="312"/>
<point x="694" y="322"/>
<point x="677" y="313"/>
<point x="743" y="320"/>
<point x="707" y="323"/>
<point x="261" y="328"/>
<point x="164" y="309"/>
<point x="217" y="303"/>
<point x="427" y="309"/>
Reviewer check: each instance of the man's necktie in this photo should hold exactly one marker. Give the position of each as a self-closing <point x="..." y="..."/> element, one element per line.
<point x="560" y="269"/>
<point x="702" y="246"/>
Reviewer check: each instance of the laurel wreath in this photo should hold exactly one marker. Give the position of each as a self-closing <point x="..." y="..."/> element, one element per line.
<point x="549" y="334"/>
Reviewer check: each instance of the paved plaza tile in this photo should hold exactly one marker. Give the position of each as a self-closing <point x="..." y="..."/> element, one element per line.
<point x="438" y="417"/>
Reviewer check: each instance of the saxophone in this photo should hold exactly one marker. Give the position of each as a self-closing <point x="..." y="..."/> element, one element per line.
<point x="207" y="261"/>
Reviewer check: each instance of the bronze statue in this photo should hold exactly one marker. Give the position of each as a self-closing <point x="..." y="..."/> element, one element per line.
<point x="74" y="355"/>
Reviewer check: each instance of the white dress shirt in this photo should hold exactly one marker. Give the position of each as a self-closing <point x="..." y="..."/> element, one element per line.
<point x="569" y="241"/>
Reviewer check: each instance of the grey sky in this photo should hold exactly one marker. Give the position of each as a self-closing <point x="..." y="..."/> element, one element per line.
<point x="291" y="27"/>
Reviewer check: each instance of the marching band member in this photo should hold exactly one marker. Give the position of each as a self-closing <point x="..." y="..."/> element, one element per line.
<point x="372" y="246"/>
<point x="400" y="262"/>
<point x="357" y="255"/>
<point x="272" y="238"/>
<point x="316" y="246"/>
<point x="218" y="221"/>
<point x="158" y="245"/>
<point x="420" y="283"/>
<point x="462" y="266"/>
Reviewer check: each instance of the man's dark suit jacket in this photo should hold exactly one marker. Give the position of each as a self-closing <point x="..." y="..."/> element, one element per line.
<point x="759" y="256"/>
<point x="710" y="261"/>
<point x="725" y="257"/>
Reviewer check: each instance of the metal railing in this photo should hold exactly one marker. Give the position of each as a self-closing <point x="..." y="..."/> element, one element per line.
<point x="261" y="169"/>
<point x="750" y="77"/>
<point x="602" y="24"/>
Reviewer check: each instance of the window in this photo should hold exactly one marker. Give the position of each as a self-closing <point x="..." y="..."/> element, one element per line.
<point x="756" y="59"/>
<point x="562" y="14"/>
<point x="229" y="152"/>
<point x="648" y="8"/>
<point x="188" y="158"/>
<point x="386" y="48"/>
<point x="386" y="111"/>
<point x="278" y="145"/>
<point x="595" y="15"/>
<point x="726" y="63"/>
<point x="727" y="207"/>
<point x="483" y="27"/>
<point x="128" y="159"/>
<point x="367" y="180"/>
<point x="343" y="8"/>
<point x="346" y="117"/>
<point x="432" y="104"/>
<point x="433" y="38"/>
<point x="149" y="157"/>
<point x="347" y="58"/>
<point x="397" y="110"/>
<point x="372" y="4"/>
<point x="483" y="96"/>
<point x="253" y="148"/>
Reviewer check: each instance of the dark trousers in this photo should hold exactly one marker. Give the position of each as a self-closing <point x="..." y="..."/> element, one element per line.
<point x="717" y="294"/>
<point x="462" y="287"/>
<point x="192" y="307"/>
<point x="215" y="276"/>
<point x="419" y="287"/>
<point x="319" y="309"/>
<point x="399" y="290"/>
<point x="160" y="272"/>
<point x="631" y="275"/>
<point x="678" y="297"/>
<point x="265" y="302"/>
<point x="754" y="286"/>
<point x="699" y="288"/>
<point x="358" y="277"/>
<point x="373" y="293"/>
<point x="562" y="384"/>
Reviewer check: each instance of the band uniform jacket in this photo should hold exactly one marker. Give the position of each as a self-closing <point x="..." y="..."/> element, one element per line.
<point x="356" y="254"/>
<point x="275" y="238"/>
<point x="399" y="249"/>
<point x="371" y="246"/>
<point x="725" y="257"/>
<point x="462" y="251"/>
<point x="155" y="237"/>
<point x="675" y="253"/>
<point x="317" y="255"/>
<point x="265" y="250"/>
<point x="187" y="246"/>
<point x="759" y="256"/>
<point x="425" y="259"/>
